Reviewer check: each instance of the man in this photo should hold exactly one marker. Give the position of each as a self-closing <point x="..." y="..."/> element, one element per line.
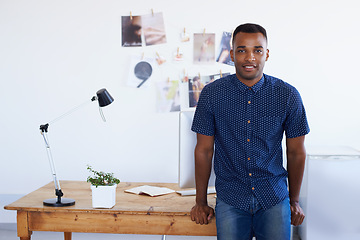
<point x="245" y="115"/>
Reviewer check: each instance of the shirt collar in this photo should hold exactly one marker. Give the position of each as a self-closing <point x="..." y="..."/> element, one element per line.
<point x="243" y="87"/>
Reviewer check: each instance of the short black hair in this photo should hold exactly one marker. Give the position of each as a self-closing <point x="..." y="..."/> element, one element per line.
<point x="249" y="28"/>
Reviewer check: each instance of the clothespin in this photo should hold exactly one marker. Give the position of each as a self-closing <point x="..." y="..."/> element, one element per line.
<point x="204" y="32"/>
<point x="131" y="17"/>
<point x="199" y="75"/>
<point x="184" y="30"/>
<point x="220" y="73"/>
<point x="142" y="56"/>
<point x="157" y="54"/>
<point x="152" y="12"/>
<point x="177" y="51"/>
<point x="168" y="79"/>
<point x="185" y="78"/>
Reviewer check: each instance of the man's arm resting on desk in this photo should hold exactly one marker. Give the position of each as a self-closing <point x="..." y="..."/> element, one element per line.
<point x="296" y="154"/>
<point x="201" y="212"/>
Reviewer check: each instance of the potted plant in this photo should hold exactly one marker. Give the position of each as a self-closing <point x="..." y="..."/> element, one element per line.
<point x="103" y="188"/>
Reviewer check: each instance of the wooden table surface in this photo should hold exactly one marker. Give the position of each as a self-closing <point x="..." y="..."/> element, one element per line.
<point x="132" y="214"/>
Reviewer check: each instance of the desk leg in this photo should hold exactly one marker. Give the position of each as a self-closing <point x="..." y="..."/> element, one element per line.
<point x="163" y="237"/>
<point x="23" y="225"/>
<point x="67" y="235"/>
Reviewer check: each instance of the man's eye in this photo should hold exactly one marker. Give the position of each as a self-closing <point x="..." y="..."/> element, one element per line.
<point x="258" y="51"/>
<point x="241" y="51"/>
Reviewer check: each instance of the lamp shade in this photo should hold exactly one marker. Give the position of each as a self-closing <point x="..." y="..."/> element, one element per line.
<point x="104" y="97"/>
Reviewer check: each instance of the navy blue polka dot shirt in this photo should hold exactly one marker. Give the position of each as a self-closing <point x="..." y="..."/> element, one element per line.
<point x="248" y="124"/>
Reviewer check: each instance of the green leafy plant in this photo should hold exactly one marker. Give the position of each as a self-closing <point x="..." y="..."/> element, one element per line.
<point x="101" y="178"/>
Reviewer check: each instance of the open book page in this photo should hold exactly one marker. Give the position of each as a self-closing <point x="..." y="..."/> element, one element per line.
<point x="150" y="190"/>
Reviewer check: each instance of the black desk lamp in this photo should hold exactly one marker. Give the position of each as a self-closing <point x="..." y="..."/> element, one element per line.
<point x="104" y="98"/>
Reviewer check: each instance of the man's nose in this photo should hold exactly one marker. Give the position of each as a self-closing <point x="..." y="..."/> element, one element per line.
<point x="250" y="57"/>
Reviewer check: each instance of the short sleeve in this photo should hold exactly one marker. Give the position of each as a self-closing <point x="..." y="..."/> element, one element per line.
<point x="296" y="124"/>
<point x="203" y="122"/>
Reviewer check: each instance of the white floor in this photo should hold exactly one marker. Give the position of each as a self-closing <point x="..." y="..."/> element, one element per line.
<point x="8" y="232"/>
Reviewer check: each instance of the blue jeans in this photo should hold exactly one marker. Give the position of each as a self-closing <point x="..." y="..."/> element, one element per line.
<point x="271" y="224"/>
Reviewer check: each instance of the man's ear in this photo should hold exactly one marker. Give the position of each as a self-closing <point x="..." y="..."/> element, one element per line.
<point x="231" y="55"/>
<point x="267" y="54"/>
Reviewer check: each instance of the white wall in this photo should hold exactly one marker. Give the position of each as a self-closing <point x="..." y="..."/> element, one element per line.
<point x="56" y="54"/>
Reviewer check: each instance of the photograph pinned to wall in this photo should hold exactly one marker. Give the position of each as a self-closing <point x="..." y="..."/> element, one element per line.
<point x="168" y="96"/>
<point x="195" y="88"/>
<point x="204" y="47"/>
<point x="131" y="31"/>
<point x="140" y="72"/>
<point x="224" y="49"/>
<point x="184" y="36"/>
<point x="178" y="55"/>
<point x="184" y="90"/>
<point x="184" y="77"/>
<point x="159" y="59"/>
<point x="154" y="29"/>
<point x="196" y="85"/>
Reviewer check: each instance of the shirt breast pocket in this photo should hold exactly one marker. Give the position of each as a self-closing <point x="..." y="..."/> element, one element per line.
<point x="268" y="127"/>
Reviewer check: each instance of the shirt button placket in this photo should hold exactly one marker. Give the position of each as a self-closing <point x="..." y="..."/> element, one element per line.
<point x="249" y="110"/>
<point x="249" y="134"/>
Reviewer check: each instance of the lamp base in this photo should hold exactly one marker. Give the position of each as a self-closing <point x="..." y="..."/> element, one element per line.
<point x="53" y="202"/>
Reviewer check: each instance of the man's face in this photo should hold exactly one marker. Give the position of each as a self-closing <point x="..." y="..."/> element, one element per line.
<point x="249" y="54"/>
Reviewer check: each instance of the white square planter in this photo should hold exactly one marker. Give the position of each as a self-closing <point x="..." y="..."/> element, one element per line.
<point x="103" y="196"/>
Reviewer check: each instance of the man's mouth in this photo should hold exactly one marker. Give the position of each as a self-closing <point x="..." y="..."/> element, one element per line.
<point x="249" y="67"/>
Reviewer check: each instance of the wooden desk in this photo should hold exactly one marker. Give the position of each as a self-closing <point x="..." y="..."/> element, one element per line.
<point x="133" y="214"/>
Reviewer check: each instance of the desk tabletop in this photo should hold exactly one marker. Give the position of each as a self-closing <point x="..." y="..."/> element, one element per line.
<point x="126" y="203"/>
<point x="132" y="214"/>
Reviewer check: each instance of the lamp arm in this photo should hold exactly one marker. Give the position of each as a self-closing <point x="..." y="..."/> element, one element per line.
<point x="71" y="111"/>
<point x="58" y="191"/>
<point x="44" y="130"/>
<point x="104" y="99"/>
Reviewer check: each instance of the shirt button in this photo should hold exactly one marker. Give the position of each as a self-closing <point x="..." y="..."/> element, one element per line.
<point x="252" y="188"/>
<point x="250" y="174"/>
<point x="248" y="140"/>
<point x="248" y="121"/>
<point x="249" y="102"/>
<point x="248" y="158"/>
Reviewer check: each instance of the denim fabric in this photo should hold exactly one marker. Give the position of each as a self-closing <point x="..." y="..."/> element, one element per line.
<point x="236" y="224"/>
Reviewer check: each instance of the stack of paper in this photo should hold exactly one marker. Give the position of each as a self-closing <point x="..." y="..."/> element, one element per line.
<point x="190" y="192"/>
<point x="150" y="190"/>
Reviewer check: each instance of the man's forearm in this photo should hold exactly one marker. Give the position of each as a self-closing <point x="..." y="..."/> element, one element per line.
<point x="295" y="166"/>
<point x="296" y="154"/>
<point x="203" y="164"/>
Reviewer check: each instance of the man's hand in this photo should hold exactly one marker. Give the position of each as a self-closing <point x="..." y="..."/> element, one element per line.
<point x="297" y="214"/>
<point x="202" y="214"/>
